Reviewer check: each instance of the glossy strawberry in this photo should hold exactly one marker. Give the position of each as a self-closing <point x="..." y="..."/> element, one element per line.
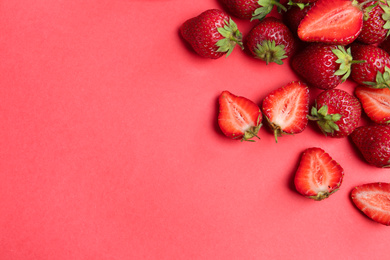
<point x="318" y="175"/>
<point x="374" y="144"/>
<point x="271" y="41"/>
<point x="375" y="103"/>
<point x="211" y="34"/>
<point x="239" y="117"/>
<point x="323" y="66"/>
<point x="332" y="21"/>
<point x="373" y="199"/>
<point x="294" y="15"/>
<point x="286" y="109"/>
<point x="251" y="9"/>
<point x="336" y="112"/>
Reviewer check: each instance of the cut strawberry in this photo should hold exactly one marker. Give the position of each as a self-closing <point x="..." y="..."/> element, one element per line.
<point x="375" y="102"/>
<point x="373" y="199"/>
<point x="239" y="117"/>
<point x="318" y="175"/>
<point x="332" y="21"/>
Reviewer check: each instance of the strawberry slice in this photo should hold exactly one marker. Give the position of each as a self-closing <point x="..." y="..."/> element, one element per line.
<point x="239" y="117"/>
<point x="332" y="21"/>
<point x="318" y="175"/>
<point x="375" y="102"/>
<point x="373" y="199"/>
<point x="286" y="108"/>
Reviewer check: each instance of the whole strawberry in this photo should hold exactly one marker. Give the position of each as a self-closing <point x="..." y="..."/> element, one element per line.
<point x="336" y="112"/>
<point x="211" y="34"/>
<point x="271" y="41"/>
<point x="374" y="144"/>
<point x="294" y="15"/>
<point x="323" y="66"/>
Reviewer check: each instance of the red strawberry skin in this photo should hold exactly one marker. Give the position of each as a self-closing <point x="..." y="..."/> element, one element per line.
<point x="318" y="175"/>
<point x="373" y="199"/>
<point x="241" y="8"/>
<point x="374" y="144"/>
<point x="293" y="17"/>
<point x="239" y="117"/>
<point x="375" y="103"/>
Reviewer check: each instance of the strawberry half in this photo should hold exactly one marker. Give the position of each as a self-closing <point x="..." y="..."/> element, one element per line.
<point x="286" y="109"/>
<point x="332" y="21"/>
<point x="375" y="102"/>
<point x="239" y="117"/>
<point x="373" y="199"/>
<point x="318" y="175"/>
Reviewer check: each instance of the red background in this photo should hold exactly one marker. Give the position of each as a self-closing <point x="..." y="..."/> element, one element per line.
<point x="110" y="147"/>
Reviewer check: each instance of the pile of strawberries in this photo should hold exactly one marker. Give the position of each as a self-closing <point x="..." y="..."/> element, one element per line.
<point x="328" y="41"/>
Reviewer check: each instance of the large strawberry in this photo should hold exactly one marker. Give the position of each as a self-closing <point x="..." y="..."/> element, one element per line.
<point x="318" y="175"/>
<point x="211" y="34"/>
<point x="373" y="200"/>
<point x="239" y="117"/>
<point x="286" y="109"/>
<point x="323" y="66"/>
<point x="375" y="102"/>
<point x="336" y="112"/>
<point x="271" y="40"/>
<point x="374" y="144"/>
<point x="332" y="21"/>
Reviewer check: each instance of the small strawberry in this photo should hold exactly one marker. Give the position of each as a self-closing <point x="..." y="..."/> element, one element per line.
<point x="374" y="144"/>
<point x="239" y="117"/>
<point x="211" y="34"/>
<point x="375" y="102"/>
<point x="373" y="199"/>
<point x="323" y="66"/>
<point x="332" y="21"/>
<point x="373" y="68"/>
<point x="294" y="15"/>
<point x="271" y="41"/>
<point x="336" y="112"/>
<point x="286" y="109"/>
<point x="385" y="45"/>
<point x="318" y="175"/>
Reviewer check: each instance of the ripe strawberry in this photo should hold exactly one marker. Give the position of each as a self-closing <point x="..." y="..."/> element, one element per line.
<point x="286" y="109"/>
<point x="336" y="112"/>
<point x="271" y="41"/>
<point x="373" y="200"/>
<point x="375" y="102"/>
<point x="374" y="144"/>
<point x="323" y="66"/>
<point x="239" y="117"/>
<point x="385" y="45"/>
<point x="294" y="15"/>
<point x="251" y="9"/>
<point x="376" y="22"/>
<point x="211" y="34"/>
<point x="376" y="60"/>
<point x="332" y="21"/>
<point x="318" y="175"/>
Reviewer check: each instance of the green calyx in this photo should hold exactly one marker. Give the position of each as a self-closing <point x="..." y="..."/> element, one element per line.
<point x="382" y="80"/>
<point x="265" y="8"/>
<point x="344" y="58"/>
<point x="268" y="51"/>
<point x="252" y="131"/>
<point x="386" y="16"/>
<point x="300" y="5"/>
<point x="326" y="122"/>
<point x="232" y="37"/>
<point x="322" y="195"/>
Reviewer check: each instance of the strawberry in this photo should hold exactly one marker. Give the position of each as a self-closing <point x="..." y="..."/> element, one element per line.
<point x="271" y="41"/>
<point x="376" y="22"/>
<point x="374" y="144"/>
<point x="211" y="34"/>
<point x="385" y="45"/>
<point x="323" y="66"/>
<point x="239" y="117"/>
<point x="318" y="175"/>
<point x="294" y="15"/>
<point x="332" y="21"/>
<point x="375" y="102"/>
<point x="373" y="199"/>
<point x="336" y="112"/>
<point x="286" y="109"/>
<point x="251" y="9"/>
<point x="373" y="68"/>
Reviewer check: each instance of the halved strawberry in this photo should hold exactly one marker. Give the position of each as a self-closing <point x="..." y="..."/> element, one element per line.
<point x="332" y="21"/>
<point x="239" y="117"/>
<point x="373" y="199"/>
<point x="318" y="175"/>
<point x="286" y="108"/>
<point x="375" y="102"/>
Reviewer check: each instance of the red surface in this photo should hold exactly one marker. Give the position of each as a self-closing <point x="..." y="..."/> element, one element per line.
<point x="110" y="147"/>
